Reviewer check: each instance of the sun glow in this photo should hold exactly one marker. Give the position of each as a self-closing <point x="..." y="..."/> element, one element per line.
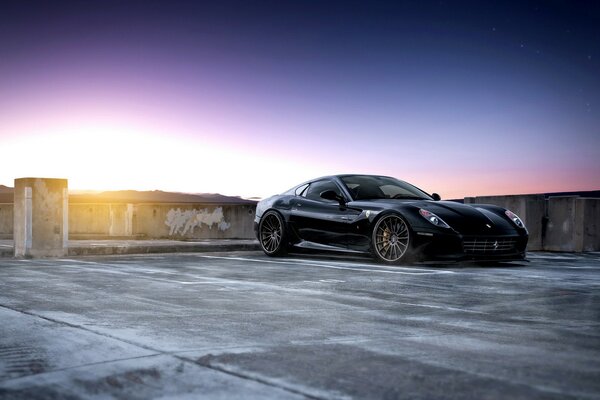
<point x="120" y="156"/>
<point x="203" y="99"/>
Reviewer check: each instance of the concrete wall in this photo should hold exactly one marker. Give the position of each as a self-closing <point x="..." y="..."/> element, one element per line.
<point x="574" y="224"/>
<point x="590" y="208"/>
<point x="101" y="219"/>
<point x="6" y="220"/>
<point x="530" y="208"/>
<point x="561" y="226"/>
<point x="194" y="221"/>
<point x="151" y="221"/>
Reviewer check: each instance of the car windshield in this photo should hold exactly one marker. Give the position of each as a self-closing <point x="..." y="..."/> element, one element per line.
<point x="365" y="187"/>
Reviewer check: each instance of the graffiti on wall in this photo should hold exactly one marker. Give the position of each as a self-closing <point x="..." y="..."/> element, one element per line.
<point x="181" y="222"/>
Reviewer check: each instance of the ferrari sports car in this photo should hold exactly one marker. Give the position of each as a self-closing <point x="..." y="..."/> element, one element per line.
<point x="392" y="220"/>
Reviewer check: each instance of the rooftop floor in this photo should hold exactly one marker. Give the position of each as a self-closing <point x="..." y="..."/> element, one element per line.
<point x="241" y="325"/>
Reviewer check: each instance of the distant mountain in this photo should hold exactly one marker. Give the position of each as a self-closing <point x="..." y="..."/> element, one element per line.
<point x="155" y="196"/>
<point x="134" y="196"/>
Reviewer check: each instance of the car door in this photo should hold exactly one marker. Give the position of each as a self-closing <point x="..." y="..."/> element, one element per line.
<point x="319" y="220"/>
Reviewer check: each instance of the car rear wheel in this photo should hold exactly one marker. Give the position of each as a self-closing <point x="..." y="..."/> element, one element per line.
<point x="391" y="239"/>
<point x="272" y="235"/>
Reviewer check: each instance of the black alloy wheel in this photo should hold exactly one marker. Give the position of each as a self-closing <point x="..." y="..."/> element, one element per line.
<point x="272" y="234"/>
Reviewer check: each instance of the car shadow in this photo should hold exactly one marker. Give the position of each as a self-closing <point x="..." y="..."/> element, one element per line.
<point x="474" y="264"/>
<point x="366" y="259"/>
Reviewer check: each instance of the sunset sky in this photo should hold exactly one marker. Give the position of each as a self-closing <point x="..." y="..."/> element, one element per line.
<point x="251" y="97"/>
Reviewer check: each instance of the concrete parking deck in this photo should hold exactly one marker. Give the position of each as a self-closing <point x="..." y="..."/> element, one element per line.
<point x="241" y="325"/>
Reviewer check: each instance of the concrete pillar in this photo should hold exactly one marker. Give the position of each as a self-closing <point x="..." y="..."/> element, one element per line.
<point x="41" y="217"/>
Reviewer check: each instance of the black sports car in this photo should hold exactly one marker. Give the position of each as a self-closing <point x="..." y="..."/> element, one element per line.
<point x="388" y="218"/>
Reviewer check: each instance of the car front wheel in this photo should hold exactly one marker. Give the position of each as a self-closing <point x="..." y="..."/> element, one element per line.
<point x="272" y="234"/>
<point x="391" y="239"/>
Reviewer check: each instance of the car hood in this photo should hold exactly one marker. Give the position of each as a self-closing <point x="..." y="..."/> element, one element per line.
<point x="463" y="218"/>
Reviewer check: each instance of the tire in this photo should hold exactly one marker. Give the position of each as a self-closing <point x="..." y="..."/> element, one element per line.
<point x="271" y="234"/>
<point x="391" y="239"/>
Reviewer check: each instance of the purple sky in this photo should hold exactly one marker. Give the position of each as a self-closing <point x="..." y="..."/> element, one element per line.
<point x="250" y="98"/>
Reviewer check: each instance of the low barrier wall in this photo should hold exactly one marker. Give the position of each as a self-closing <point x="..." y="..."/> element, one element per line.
<point x="6" y="220"/>
<point x="194" y="221"/>
<point x="101" y="219"/>
<point x="574" y="224"/>
<point x="567" y="223"/>
<point x="151" y="221"/>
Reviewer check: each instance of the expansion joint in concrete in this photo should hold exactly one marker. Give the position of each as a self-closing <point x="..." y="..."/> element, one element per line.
<point x="205" y="362"/>
<point x="158" y="352"/>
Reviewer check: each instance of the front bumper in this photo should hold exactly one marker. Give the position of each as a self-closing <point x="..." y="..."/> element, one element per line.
<point x="455" y="247"/>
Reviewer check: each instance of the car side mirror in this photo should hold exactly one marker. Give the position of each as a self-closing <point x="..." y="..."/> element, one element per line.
<point x="333" y="196"/>
<point x="436" y="196"/>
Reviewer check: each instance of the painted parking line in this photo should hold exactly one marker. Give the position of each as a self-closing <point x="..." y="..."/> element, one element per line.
<point x="69" y="260"/>
<point x="446" y="308"/>
<point x="147" y="274"/>
<point x="371" y="268"/>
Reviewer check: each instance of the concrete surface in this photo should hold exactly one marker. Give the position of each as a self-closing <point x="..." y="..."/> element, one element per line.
<point x="101" y="219"/>
<point x="241" y="325"/>
<point x="162" y="220"/>
<point x="590" y="229"/>
<point x="6" y="220"/>
<point x="196" y="221"/>
<point x="561" y="227"/>
<point x="178" y="221"/>
<point x="574" y="224"/>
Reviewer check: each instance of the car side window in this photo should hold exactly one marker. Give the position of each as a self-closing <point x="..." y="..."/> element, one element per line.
<point x="301" y="190"/>
<point x="316" y="188"/>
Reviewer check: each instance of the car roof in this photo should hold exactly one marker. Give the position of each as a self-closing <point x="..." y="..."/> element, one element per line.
<point x="344" y="175"/>
<point x="339" y="176"/>
<point x="368" y="175"/>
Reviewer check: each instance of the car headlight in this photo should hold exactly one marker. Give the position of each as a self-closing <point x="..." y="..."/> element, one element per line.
<point x="434" y="219"/>
<point x="515" y="218"/>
